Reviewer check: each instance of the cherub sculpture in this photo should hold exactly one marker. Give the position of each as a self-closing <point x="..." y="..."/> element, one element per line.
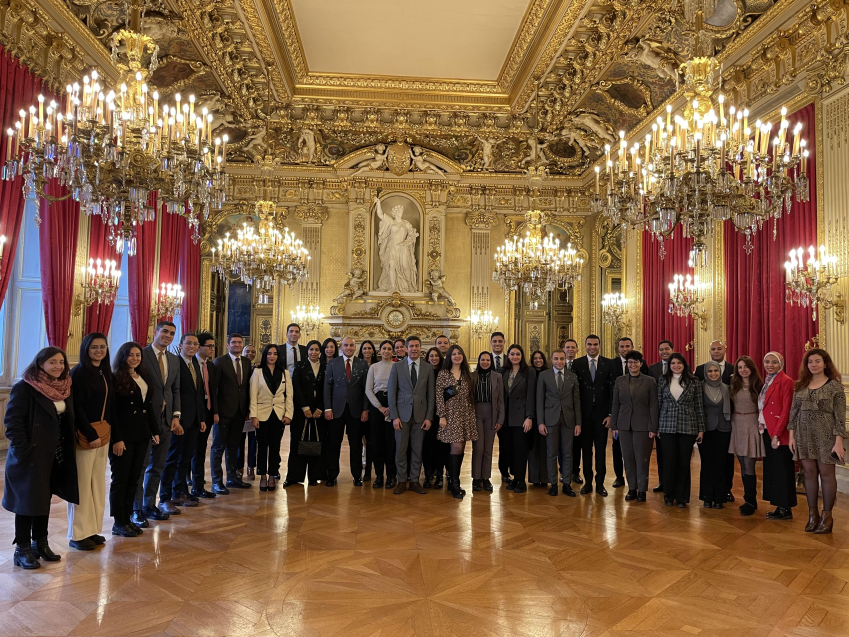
<point x="375" y="163"/>
<point x="423" y="164"/>
<point x="437" y="288"/>
<point x="354" y="287"/>
<point x="535" y="148"/>
<point x="488" y="144"/>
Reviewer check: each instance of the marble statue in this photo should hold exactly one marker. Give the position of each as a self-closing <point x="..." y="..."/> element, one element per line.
<point x="375" y="163"/>
<point x="423" y="164"/>
<point x="437" y="287"/>
<point x="487" y="146"/>
<point x="307" y="145"/>
<point x="658" y="56"/>
<point x="354" y="287"/>
<point x="535" y="148"/>
<point x="396" y="243"/>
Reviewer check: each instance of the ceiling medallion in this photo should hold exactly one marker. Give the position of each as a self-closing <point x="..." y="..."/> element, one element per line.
<point x="398" y="158"/>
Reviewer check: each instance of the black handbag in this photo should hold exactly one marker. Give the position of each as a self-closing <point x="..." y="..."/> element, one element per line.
<point x="309" y="448"/>
<point x="449" y="392"/>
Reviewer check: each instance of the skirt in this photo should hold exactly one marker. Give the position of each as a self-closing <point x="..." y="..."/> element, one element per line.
<point x="746" y="440"/>
<point x="779" y="481"/>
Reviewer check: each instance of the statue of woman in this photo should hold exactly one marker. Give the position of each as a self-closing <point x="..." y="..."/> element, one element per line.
<point x="396" y="243"/>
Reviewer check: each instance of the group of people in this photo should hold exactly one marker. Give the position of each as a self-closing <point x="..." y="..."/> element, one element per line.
<point x="409" y="414"/>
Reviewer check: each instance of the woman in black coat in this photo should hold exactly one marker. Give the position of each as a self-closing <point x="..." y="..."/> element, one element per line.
<point x="93" y="400"/>
<point x="134" y="427"/>
<point x="40" y="461"/>
<point x="520" y="391"/>
<point x="308" y="389"/>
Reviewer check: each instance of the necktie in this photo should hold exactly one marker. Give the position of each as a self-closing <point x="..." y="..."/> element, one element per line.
<point x="624" y="368"/>
<point x="348" y="369"/>
<point x="498" y="362"/>
<point x="414" y="377"/>
<point x="192" y="372"/>
<point x="206" y="385"/>
<point x="664" y="367"/>
<point x="559" y="381"/>
<point x="239" y="371"/>
<point x="569" y="365"/>
<point x="592" y="369"/>
<point x="161" y="357"/>
<point x="295" y="353"/>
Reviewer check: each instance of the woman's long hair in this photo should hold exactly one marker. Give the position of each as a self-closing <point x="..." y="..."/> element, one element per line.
<point x="805" y="376"/>
<point x="686" y="375"/>
<point x="85" y="359"/>
<point x="755" y="380"/>
<point x="263" y="360"/>
<point x="123" y="382"/>
<point x="465" y="374"/>
<point x="427" y="356"/>
<point x="321" y="351"/>
<point x="523" y="364"/>
<point x="324" y="347"/>
<point x="44" y="355"/>
<point x="544" y="361"/>
<point x="374" y="355"/>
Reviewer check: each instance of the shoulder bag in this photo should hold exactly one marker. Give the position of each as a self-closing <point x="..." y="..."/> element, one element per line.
<point x="309" y="448"/>
<point x="101" y="426"/>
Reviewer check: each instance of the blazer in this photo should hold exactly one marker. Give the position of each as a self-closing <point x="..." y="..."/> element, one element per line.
<point x="727" y="373"/>
<point x="339" y="391"/>
<point x="33" y="431"/>
<point x="634" y="404"/>
<point x="497" y="390"/>
<point x="554" y="404"/>
<point x="263" y="401"/>
<point x="656" y="370"/>
<point x="777" y="403"/>
<point x="135" y="419"/>
<point x="302" y="354"/>
<point x="88" y="403"/>
<point x="505" y="362"/>
<point x="408" y="403"/>
<point x="596" y="394"/>
<point x="683" y="416"/>
<point x="617" y="367"/>
<point x="308" y="388"/>
<point x="167" y="391"/>
<point x="234" y="400"/>
<point x="192" y="399"/>
<point x="520" y="400"/>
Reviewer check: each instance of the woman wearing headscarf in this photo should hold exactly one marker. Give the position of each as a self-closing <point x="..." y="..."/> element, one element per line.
<point x="713" y="479"/>
<point x="774" y="402"/>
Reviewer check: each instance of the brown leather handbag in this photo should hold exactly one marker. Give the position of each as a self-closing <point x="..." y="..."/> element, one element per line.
<point x="101" y="427"/>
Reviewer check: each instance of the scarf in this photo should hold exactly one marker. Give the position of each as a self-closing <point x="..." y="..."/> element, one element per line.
<point x="767" y="383"/>
<point x="716" y="390"/>
<point x="483" y="389"/>
<point x="52" y="388"/>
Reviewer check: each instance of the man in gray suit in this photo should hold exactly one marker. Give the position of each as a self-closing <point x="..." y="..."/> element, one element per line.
<point x="163" y="370"/>
<point x="411" y="402"/>
<point x="559" y="405"/>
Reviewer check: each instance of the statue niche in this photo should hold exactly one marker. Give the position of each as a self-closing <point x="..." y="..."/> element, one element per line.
<point x="396" y="259"/>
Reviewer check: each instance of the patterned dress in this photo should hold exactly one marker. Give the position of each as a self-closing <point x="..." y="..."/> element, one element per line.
<point x="817" y="416"/>
<point x="459" y="410"/>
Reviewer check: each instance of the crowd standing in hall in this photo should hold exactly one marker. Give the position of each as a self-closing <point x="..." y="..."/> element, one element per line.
<point x="408" y="412"/>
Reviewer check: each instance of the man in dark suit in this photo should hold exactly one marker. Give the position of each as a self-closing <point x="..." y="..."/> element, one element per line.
<point x="658" y="369"/>
<point x="209" y="380"/>
<point x="411" y="403"/>
<point x="163" y="369"/>
<point x="294" y="352"/>
<point x="595" y="378"/>
<point x="233" y="387"/>
<point x="499" y="362"/>
<point x="345" y="409"/>
<point x="570" y="348"/>
<point x="559" y="416"/>
<point x="173" y="492"/>
<point x="621" y="369"/>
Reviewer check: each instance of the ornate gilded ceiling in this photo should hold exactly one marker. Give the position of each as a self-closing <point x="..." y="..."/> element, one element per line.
<point x="346" y="77"/>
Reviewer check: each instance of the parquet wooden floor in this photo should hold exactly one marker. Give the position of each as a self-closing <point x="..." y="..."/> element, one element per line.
<point x="362" y="562"/>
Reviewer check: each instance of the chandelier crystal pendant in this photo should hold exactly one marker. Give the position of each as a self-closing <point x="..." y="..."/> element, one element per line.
<point x="814" y="283"/>
<point x="310" y="319"/>
<point x="100" y="284"/>
<point x="167" y="300"/>
<point x="614" y="308"/>
<point x="685" y="296"/>
<point x="482" y="323"/>
<point x="112" y="147"/>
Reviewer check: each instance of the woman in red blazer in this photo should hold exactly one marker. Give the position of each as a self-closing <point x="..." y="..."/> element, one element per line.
<point x="779" y="473"/>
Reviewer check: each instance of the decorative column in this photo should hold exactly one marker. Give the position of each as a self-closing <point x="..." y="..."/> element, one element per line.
<point x="77" y="328"/>
<point x="632" y="286"/>
<point x="712" y="278"/>
<point x="481" y="223"/>
<point x="311" y="216"/>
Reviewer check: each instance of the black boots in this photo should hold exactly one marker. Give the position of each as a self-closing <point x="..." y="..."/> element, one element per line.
<point x="750" y="496"/>
<point x="41" y="548"/>
<point x="455" y="461"/>
<point x="25" y="558"/>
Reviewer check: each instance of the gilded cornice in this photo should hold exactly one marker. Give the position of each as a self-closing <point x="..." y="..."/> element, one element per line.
<point x="283" y="85"/>
<point x="521" y="48"/>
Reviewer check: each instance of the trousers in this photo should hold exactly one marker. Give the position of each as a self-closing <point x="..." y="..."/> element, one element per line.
<point x="636" y="455"/>
<point x="30" y="527"/>
<point x="411" y="436"/>
<point x="86" y="518"/>
<point x="483" y="446"/>
<point x="520" y="443"/>
<point x="559" y="446"/>
<point x="178" y="462"/>
<point x="594" y="437"/>
<point x="298" y="466"/>
<point x="199" y="457"/>
<point x="249" y="439"/>
<point x="504" y="453"/>
<point x="678" y="450"/>
<point x="226" y="436"/>
<point x="268" y="437"/>
<point x="381" y="441"/>
<point x="713" y="476"/>
<point x="617" y="458"/>
<point x="350" y="424"/>
<point x="154" y="464"/>
<point x="126" y="471"/>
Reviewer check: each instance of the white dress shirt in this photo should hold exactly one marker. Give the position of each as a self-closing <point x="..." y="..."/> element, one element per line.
<point x="292" y="354"/>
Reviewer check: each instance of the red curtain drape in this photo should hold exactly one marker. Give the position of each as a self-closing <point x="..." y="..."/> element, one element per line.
<point x="758" y="319"/>
<point x="140" y="269"/>
<point x="18" y="90"/>
<point x="98" y="317"/>
<point x="658" y="323"/>
<point x="169" y="256"/>
<point x="57" y="237"/>
<point x="189" y="278"/>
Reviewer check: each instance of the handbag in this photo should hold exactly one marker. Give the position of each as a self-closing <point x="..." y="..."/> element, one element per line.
<point x="101" y="426"/>
<point x="309" y="448"/>
<point x="449" y="392"/>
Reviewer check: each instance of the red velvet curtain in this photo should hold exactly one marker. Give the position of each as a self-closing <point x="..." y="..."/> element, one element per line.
<point x="758" y="319"/>
<point x="658" y="323"/>
<point x="57" y="237"/>
<point x="140" y="270"/>
<point x="98" y="317"/>
<point x="169" y="256"/>
<point x="189" y="278"/>
<point x="18" y="90"/>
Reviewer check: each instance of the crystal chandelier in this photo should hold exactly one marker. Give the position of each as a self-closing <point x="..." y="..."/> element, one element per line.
<point x="685" y="296"/>
<point x="167" y="300"/>
<point x="814" y="282"/>
<point x="482" y="323"/>
<point x="310" y="319"/>
<point x="113" y="147"/>
<point x="100" y="284"/>
<point x="614" y="308"/>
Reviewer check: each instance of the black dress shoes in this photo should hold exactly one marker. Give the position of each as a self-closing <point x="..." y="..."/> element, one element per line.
<point x="577" y="479"/>
<point x="780" y="513"/>
<point x="123" y="530"/>
<point x="313" y="483"/>
<point x="192" y="498"/>
<point x="330" y="483"/>
<point x="427" y="482"/>
<point x="440" y="482"/>
<point x="203" y="494"/>
<point x="154" y="513"/>
<point x="505" y="478"/>
<point x="718" y="505"/>
<point x="237" y="484"/>
<point x="601" y="490"/>
<point x="552" y="490"/>
<point x="618" y="483"/>
<point x="139" y="520"/>
<point x="358" y="482"/>
<point x="378" y="483"/>
<point x="658" y="489"/>
<point x="668" y="501"/>
<point x="168" y="508"/>
<point x="567" y="490"/>
<point x="520" y="486"/>
<point x="729" y="497"/>
<point x="708" y="505"/>
<point x="285" y="484"/>
<point x="391" y="481"/>
<point x="185" y="501"/>
<point x="135" y="528"/>
<point x="511" y="485"/>
<point x="220" y="489"/>
<point x="682" y="505"/>
<point x="586" y="489"/>
<point x="486" y="484"/>
<point x="631" y="495"/>
<point x="41" y="549"/>
<point x="476" y="485"/>
<point x="641" y="496"/>
<point x="82" y="545"/>
<point x="97" y="539"/>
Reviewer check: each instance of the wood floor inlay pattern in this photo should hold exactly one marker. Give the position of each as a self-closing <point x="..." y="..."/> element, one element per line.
<point x="359" y="562"/>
